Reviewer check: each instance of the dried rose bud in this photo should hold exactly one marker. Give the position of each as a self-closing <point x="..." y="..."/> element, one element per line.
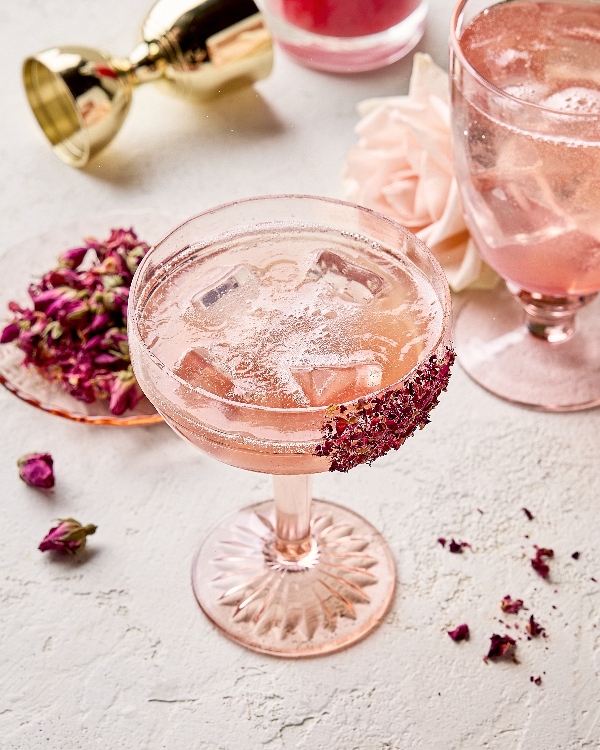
<point x="539" y="564"/>
<point x="460" y="634"/>
<point x="73" y="258"/>
<point x="10" y="333"/>
<point x="500" y="646"/>
<point x="125" y="393"/>
<point x="512" y="606"/>
<point x="68" y="536"/>
<point x="35" y="469"/>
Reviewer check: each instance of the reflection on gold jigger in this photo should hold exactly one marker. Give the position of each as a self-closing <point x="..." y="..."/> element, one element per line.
<point x="81" y="96"/>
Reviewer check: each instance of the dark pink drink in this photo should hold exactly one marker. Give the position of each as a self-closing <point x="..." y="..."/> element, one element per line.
<point x="346" y="18"/>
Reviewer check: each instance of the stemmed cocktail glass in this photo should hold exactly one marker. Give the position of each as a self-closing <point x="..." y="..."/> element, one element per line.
<point x="526" y="123"/>
<point x="292" y="335"/>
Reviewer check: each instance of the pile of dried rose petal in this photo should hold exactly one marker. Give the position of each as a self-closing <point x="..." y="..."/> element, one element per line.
<point x="76" y="332"/>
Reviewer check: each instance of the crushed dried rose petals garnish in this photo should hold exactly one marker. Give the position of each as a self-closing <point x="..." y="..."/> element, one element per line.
<point x="442" y="541"/>
<point x="457" y="547"/>
<point x="537" y="680"/>
<point x="35" y="469"/>
<point x="501" y="646"/>
<point x="76" y="332"/>
<point x="539" y="564"/>
<point x="372" y="426"/>
<point x="461" y="633"/>
<point x="512" y="606"/>
<point x="528" y="513"/>
<point x="575" y="555"/>
<point x="534" y="628"/>
<point x="69" y="536"/>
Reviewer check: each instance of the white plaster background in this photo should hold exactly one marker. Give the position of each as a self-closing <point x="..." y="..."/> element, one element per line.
<point x="110" y="651"/>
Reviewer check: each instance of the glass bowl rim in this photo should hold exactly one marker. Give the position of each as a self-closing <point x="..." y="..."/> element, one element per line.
<point x="456" y="49"/>
<point x="446" y="304"/>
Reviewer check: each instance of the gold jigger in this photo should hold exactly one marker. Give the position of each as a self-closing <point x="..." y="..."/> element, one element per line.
<point x="81" y="96"/>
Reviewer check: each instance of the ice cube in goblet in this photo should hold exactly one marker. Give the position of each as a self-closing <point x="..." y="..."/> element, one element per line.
<point x="337" y="383"/>
<point x="522" y="201"/>
<point x="226" y="287"/>
<point x="349" y="281"/>
<point x="198" y="369"/>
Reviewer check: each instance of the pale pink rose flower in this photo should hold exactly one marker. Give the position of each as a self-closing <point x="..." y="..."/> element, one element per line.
<point x="402" y="167"/>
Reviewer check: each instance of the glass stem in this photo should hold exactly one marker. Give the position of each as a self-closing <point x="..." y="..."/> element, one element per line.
<point x="551" y="318"/>
<point x="292" y="494"/>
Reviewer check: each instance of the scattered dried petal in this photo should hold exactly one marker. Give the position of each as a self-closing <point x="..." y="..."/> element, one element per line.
<point x="528" y="513"/>
<point x="534" y="628"/>
<point x="442" y="541"/>
<point x="372" y="426"/>
<point x="538" y="563"/>
<point x="457" y="547"/>
<point x="461" y="633"/>
<point x="537" y="680"/>
<point x="501" y="646"/>
<point x="575" y="555"/>
<point x="35" y="469"/>
<point x="512" y="606"/>
<point x="69" y="536"/>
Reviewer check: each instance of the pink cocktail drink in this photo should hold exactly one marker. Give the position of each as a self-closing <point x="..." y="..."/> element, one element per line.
<point x="532" y="194"/>
<point x="292" y="335"/>
<point x="526" y="125"/>
<point x="278" y="324"/>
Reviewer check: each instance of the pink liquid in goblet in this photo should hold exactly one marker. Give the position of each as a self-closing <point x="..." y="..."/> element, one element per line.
<point x="285" y="321"/>
<point x="531" y="193"/>
<point x="346" y="18"/>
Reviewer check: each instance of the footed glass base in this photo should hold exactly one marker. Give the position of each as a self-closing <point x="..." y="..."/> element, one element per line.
<point x="334" y="593"/>
<point x="497" y="349"/>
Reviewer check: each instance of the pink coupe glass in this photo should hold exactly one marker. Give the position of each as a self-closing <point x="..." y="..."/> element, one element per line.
<point x="290" y="576"/>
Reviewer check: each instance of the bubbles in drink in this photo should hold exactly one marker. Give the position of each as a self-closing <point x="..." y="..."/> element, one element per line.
<point x="292" y="318"/>
<point x="574" y="99"/>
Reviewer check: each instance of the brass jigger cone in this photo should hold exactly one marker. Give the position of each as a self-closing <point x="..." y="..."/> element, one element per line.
<point x="81" y="96"/>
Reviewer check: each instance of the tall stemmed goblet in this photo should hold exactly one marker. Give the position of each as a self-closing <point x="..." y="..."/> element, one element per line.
<point x="292" y="335"/>
<point x="526" y="124"/>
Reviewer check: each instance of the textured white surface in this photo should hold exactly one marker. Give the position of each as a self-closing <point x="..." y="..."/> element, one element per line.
<point x="111" y="651"/>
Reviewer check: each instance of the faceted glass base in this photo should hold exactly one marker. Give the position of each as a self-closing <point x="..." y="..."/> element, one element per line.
<point x="327" y="599"/>
<point x="495" y="347"/>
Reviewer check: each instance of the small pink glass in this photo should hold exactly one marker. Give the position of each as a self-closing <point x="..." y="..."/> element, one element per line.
<point x="290" y="576"/>
<point x="346" y="36"/>
<point x="528" y="180"/>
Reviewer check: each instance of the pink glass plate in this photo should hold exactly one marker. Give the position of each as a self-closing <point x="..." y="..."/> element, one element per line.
<point x="27" y="261"/>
